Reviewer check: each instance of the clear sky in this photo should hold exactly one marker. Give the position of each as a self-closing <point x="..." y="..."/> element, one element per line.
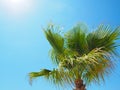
<point x="23" y="47"/>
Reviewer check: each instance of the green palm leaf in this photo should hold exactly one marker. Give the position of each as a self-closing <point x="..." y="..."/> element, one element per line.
<point x="56" y="41"/>
<point x="76" y="39"/>
<point x="104" y="36"/>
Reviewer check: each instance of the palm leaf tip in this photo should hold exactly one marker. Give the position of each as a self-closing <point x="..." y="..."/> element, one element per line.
<point x="43" y="72"/>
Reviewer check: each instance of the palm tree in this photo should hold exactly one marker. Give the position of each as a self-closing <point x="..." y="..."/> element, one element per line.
<point x="81" y="57"/>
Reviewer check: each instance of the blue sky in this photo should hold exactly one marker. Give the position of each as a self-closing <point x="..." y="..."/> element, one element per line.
<point x="23" y="47"/>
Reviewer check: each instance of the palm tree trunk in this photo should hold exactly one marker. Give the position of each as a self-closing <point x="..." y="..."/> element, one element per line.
<point x="79" y="85"/>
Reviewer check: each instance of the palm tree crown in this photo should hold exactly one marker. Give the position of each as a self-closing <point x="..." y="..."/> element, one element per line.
<point x="79" y="54"/>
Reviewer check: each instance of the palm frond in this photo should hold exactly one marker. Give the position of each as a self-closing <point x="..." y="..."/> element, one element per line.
<point x="56" y="76"/>
<point x="91" y="66"/>
<point x="96" y="63"/>
<point x="43" y="72"/>
<point x="56" y="41"/>
<point x="76" y="39"/>
<point x="104" y="36"/>
<point x="54" y="38"/>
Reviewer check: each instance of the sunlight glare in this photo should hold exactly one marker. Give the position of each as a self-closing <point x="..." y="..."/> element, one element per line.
<point x="17" y="7"/>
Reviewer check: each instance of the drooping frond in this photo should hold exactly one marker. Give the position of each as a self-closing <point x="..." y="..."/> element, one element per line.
<point x="43" y="72"/>
<point x="97" y="64"/>
<point x="89" y="67"/>
<point x="56" y="76"/>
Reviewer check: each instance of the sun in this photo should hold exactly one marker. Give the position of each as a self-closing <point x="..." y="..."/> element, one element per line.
<point x="17" y="6"/>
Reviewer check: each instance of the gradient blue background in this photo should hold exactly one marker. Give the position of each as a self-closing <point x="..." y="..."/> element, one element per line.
<point x="23" y="47"/>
